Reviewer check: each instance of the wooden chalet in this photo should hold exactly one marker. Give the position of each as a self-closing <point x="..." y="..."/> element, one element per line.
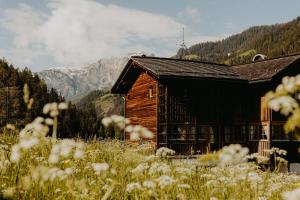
<point x="200" y="106"/>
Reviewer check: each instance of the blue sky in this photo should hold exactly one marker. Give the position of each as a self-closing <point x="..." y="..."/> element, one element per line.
<point x="41" y="34"/>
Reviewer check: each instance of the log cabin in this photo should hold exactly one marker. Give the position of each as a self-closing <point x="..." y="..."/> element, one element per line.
<point x="194" y="106"/>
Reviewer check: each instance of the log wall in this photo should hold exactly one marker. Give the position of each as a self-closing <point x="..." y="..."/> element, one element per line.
<point x="141" y="107"/>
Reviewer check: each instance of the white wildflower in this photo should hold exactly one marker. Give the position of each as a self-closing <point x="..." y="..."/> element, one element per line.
<point x="106" y="121"/>
<point x="49" y="121"/>
<point x="15" y="153"/>
<point x="149" y="184"/>
<point x="183" y="170"/>
<point x="281" y="160"/>
<point x="28" y="143"/>
<point x="46" y="108"/>
<point x="63" y="106"/>
<point x="164" y="152"/>
<point x="150" y="158"/>
<point x="159" y="168"/>
<point x="53" y="158"/>
<point x="99" y="167"/>
<point x="54" y="113"/>
<point x="131" y="187"/>
<point x="164" y="181"/>
<point x="134" y="136"/>
<point x="184" y="186"/>
<point x="69" y="170"/>
<point x="78" y="154"/>
<point x="181" y="196"/>
<point x="11" y="127"/>
<point x="8" y="193"/>
<point x="140" y="168"/>
<point x="292" y="195"/>
<point x="285" y="104"/>
<point x="233" y="154"/>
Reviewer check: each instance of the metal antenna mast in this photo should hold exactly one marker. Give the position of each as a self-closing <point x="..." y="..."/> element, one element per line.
<point x="182" y="45"/>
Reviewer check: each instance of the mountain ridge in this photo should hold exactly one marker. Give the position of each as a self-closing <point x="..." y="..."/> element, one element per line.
<point x="271" y="40"/>
<point x="74" y="83"/>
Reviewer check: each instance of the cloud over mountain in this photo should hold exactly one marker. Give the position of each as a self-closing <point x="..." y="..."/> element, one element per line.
<point x="78" y="32"/>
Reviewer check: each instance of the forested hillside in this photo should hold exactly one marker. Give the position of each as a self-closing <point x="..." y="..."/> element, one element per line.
<point x="102" y="103"/>
<point x="13" y="110"/>
<point x="272" y="41"/>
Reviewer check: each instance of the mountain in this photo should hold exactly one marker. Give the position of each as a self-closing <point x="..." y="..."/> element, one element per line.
<point x="74" y="83"/>
<point x="272" y="41"/>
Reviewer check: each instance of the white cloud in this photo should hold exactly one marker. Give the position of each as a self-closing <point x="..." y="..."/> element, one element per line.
<point x="77" y="32"/>
<point x="192" y="14"/>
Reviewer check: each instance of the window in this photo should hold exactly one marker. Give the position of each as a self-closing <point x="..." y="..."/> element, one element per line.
<point x="263" y="132"/>
<point x="278" y="133"/>
<point x="206" y="132"/>
<point x="258" y="132"/>
<point x="228" y="132"/>
<point x="150" y="92"/>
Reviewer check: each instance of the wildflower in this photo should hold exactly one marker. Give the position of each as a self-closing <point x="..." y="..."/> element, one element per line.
<point x="140" y="168"/>
<point x="133" y="187"/>
<point x="233" y="154"/>
<point x="281" y="160"/>
<point x="184" y="170"/>
<point x="164" y="152"/>
<point x="138" y="131"/>
<point x="9" y="193"/>
<point x="46" y="108"/>
<point x="285" y="104"/>
<point x="63" y="106"/>
<point x="164" y="181"/>
<point x="4" y="164"/>
<point x="149" y="184"/>
<point x="49" y="121"/>
<point x="69" y="171"/>
<point x="106" y="121"/>
<point x="113" y="171"/>
<point x="262" y="159"/>
<point x="159" y="168"/>
<point x="15" y="153"/>
<point x="184" y="186"/>
<point x="57" y="190"/>
<point x="11" y="127"/>
<point x="181" y="196"/>
<point x="150" y="158"/>
<point x="78" y="154"/>
<point x="99" y="167"/>
<point x="292" y="195"/>
<point x="134" y="136"/>
<point x="28" y="143"/>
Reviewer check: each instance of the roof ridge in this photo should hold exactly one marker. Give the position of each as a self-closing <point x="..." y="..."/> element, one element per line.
<point x="177" y="59"/>
<point x="279" y="57"/>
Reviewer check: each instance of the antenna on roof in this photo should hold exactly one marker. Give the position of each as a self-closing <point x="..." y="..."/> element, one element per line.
<point x="182" y="45"/>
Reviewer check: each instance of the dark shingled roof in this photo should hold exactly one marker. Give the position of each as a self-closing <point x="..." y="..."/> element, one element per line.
<point x="168" y="67"/>
<point x="161" y="68"/>
<point x="264" y="70"/>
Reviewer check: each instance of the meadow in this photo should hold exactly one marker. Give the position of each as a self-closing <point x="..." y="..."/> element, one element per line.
<point x="34" y="164"/>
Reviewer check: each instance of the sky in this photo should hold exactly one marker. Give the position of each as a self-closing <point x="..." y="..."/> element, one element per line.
<point x="41" y="34"/>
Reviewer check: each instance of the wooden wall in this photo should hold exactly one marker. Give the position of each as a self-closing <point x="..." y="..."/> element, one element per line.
<point x="141" y="108"/>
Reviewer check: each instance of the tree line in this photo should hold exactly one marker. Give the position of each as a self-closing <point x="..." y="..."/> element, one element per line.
<point x="273" y="41"/>
<point x="72" y="122"/>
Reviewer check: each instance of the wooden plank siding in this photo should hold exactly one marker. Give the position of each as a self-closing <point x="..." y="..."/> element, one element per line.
<point x="141" y="108"/>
